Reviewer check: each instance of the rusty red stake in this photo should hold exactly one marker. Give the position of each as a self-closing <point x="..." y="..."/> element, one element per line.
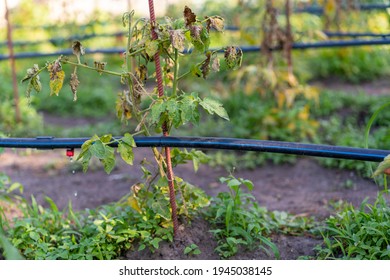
<point x="160" y="90"/>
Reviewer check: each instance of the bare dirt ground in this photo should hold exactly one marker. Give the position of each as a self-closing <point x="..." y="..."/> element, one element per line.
<point x="377" y="87"/>
<point x="305" y="188"/>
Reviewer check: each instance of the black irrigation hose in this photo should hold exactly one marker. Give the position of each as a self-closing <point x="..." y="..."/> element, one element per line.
<point x="327" y="151"/>
<point x="356" y="34"/>
<point x="62" y="52"/>
<point x="317" y="10"/>
<point x="327" y="44"/>
<point x="327" y="33"/>
<point x="60" y="40"/>
<point x="297" y="46"/>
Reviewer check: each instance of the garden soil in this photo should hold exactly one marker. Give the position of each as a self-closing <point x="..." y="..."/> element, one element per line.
<point x="305" y="188"/>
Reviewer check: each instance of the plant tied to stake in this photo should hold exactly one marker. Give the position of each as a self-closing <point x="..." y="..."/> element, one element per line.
<point x="153" y="50"/>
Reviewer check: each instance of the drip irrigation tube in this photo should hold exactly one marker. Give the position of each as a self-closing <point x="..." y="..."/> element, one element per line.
<point x="61" y="40"/>
<point x="356" y="34"/>
<point x="317" y="10"/>
<point x="48" y="142"/>
<point x="297" y="46"/>
<point x="327" y="33"/>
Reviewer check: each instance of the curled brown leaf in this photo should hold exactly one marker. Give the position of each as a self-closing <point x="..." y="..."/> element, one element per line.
<point x="189" y="16"/>
<point x="74" y="83"/>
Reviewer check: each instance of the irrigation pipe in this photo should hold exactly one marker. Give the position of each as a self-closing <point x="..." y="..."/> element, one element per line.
<point x="356" y="34"/>
<point x="297" y="46"/>
<point x="328" y="151"/>
<point x="317" y="10"/>
<point x="60" y="40"/>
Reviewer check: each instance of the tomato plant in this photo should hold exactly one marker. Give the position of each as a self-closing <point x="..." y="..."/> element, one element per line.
<point x="153" y="52"/>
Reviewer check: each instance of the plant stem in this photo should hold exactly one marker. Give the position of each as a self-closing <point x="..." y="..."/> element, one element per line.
<point x="92" y="68"/>
<point x="140" y="120"/>
<point x="175" y="73"/>
<point x="160" y="88"/>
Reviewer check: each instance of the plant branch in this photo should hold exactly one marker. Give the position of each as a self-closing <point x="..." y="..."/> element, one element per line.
<point x="175" y="73"/>
<point x="92" y="68"/>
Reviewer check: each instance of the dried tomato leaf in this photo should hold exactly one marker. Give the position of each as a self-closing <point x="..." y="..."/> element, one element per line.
<point x="189" y="16"/>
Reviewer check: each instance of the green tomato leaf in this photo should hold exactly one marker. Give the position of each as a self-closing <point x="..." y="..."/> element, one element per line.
<point x="173" y="112"/>
<point x="382" y="167"/>
<point x="84" y="148"/>
<point x="106" y="138"/>
<point x="213" y="106"/>
<point x="86" y="158"/>
<point x="151" y="47"/>
<point x="189" y="110"/>
<point x="126" y="153"/>
<point x="36" y="84"/>
<point x="155" y="113"/>
<point x="109" y="160"/>
<point x="161" y="208"/>
<point x="98" y="149"/>
<point x="129" y="140"/>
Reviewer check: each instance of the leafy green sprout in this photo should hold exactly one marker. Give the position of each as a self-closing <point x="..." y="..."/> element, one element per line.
<point x="192" y="249"/>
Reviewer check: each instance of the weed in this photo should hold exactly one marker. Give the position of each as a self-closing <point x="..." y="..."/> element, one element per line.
<point x="8" y="200"/>
<point x="358" y="233"/>
<point x="236" y="225"/>
<point x="192" y="249"/>
<point x="239" y="222"/>
<point x="140" y="220"/>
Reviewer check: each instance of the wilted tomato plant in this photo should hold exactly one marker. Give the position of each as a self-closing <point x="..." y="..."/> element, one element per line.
<point x="153" y="52"/>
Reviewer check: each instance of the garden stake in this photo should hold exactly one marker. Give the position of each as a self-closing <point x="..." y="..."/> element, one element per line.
<point x="12" y="60"/>
<point x="160" y="89"/>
